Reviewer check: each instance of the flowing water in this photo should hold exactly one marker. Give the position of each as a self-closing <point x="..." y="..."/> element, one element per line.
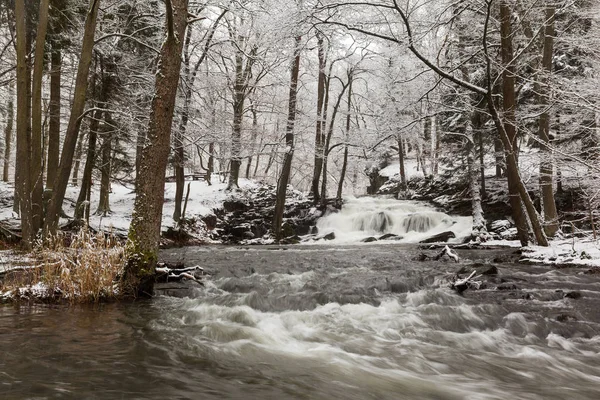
<point x="312" y="322"/>
<point x="408" y="221"/>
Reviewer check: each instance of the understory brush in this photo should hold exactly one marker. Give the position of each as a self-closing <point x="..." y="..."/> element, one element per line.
<point x="79" y="268"/>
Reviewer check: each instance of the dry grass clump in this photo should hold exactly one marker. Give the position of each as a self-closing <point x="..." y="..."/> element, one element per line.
<point x="79" y="268"/>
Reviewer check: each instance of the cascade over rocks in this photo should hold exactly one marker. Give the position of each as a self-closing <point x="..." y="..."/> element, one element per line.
<point x="449" y="191"/>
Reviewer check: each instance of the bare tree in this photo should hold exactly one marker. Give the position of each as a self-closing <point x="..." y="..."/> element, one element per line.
<point x="289" y="142"/>
<point x="23" y="182"/>
<point x="71" y="137"/>
<point x="144" y="231"/>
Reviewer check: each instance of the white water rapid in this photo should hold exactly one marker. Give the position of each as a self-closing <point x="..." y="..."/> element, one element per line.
<point x="410" y="221"/>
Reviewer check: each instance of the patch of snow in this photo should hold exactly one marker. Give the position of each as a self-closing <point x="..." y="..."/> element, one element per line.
<point x="565" y="252"/>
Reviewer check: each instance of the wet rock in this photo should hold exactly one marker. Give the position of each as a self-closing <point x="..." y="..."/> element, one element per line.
<point x="288" y="229"/>
<point x="291" y="240"/>
<point x="329" y="236"/>
<point x="565" y="317"/>
<point x="479" y="269"/>
<point x="573" y="295"/>
<point x="507" y="286"/>
<point x="239" y="231"/>
<point x="440" y="237"/>
<point x="314" y="230"/>
<point x="390" y="236"/>
<point x="210" y="221"/>
<point x="593" y="271"/>
<point x="369" y="239"/>
<point x="423" y="257"/>
<point x="234" y="205"/>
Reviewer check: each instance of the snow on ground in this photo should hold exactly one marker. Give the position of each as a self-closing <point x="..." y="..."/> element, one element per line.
<point x="566" y="252"/>
<point x="202" y="200"/>
<point x="411" y="169"/>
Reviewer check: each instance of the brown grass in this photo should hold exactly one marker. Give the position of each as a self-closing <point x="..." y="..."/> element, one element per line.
<point x="80" y="268"/>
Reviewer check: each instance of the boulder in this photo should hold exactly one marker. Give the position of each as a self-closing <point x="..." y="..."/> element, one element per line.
<point x="233" y="205"/>
<point x="440" y="237"/>
<point x="369" y="239"/>
<point x="390" y="236"/>
<point x="210" y="221"/>
<point x="329" y="236"/>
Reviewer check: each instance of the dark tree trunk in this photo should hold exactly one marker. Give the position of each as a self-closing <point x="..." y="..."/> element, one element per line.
<point x="8" y="132"/>
<point x="510" y="148"/>
<point x="82" y="205"/>
<point x="36" y="175"/>
<point x="345" y="160"/>
<point x="254" y="134"/>
<point x="144" y="231"/>
<point x="479" y="135"/>
<point x="77" y="165"/>
<point x="105" y="168"/>
<point x="546" y="169"/>
<point x="401" y="160"/>
<point x="54" y="114"/>
<point x="327" y="143"/>
<point x="72" y="134"/>
<point x="507" y="130"/>
<point x="22" y="180"/>
<point x="320" y="134"/>
<point x="499" y="158"/>
<point x="289" y="141"/>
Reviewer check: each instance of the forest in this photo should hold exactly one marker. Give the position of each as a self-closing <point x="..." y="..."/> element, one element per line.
<point x="318" y="96"/>
<point x="299" y="199"/>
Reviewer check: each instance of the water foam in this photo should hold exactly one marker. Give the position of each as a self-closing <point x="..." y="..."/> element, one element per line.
<point x="410" y="221"/>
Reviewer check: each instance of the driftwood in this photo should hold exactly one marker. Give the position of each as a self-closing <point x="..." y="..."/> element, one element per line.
<point x="164" y="274"/>
<point x="461" y="284"/>
<point x="446" y="251"/>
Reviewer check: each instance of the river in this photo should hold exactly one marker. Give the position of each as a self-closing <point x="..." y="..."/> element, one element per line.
<point x="317" y="322"/>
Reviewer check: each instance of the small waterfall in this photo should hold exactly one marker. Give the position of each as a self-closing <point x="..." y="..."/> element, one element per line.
<point x="406" y="221"/>
<point x="378" y="221"/>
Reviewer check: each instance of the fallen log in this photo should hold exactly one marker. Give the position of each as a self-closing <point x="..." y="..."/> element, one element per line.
<point x="164" y="274"/>
<point x="461" y="284"/>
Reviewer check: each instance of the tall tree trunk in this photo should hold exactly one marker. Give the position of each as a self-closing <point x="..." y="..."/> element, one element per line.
<point x="479" y="227"/>
<point x="319" y="134"/>
<point x="178" y="136"/>
<point x="507" y="129"/>
<point x="81" y="82"/>
<point x="345" y="160"/>
<point x="210" y="168"/>
<point x="254" y="134"/>
<point x="140" y="144"/>
<point x="289" y="141"/>
<point x="327" y="143"/>
<point x="144" y="231"/>
<point x="239" y="97"/>
<point x="36" y="175"/>
<point x="8" y="132"/>
<point x="509" y="124"/>
<point x="499" y="157"/>
<point x="23" y="183"/>
<point x="104" y="203"/>
<point x="82" y="205"/>
<point x="77" y="157"/>
<point x="54" y="114"/>
<point x="401" y="160"/>
<point x="546" y="170"/>
<point x="479" y="136"/>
